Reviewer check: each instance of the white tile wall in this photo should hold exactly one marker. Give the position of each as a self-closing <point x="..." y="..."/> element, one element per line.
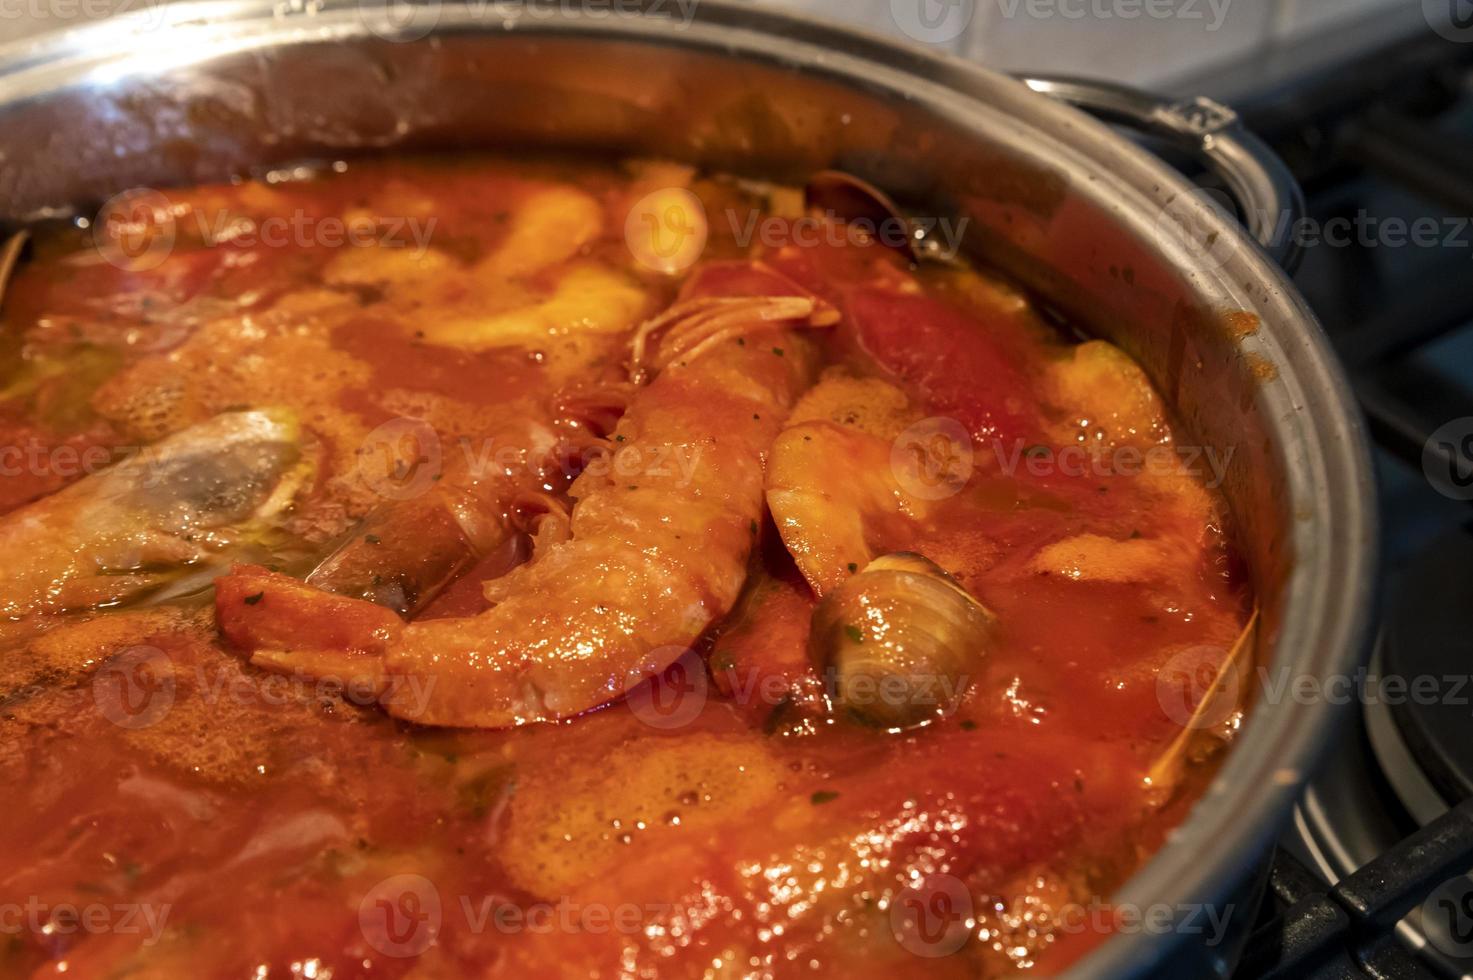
<point x="1144" y="42"/>
<point x="1098" y="37"/>
<point x="1140" y="41"/>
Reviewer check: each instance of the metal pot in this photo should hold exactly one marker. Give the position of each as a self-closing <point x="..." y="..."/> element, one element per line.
<point x="1105" y="231"/>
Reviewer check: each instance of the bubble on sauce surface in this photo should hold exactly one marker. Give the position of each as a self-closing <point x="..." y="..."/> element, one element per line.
<point x="570" y="822"/>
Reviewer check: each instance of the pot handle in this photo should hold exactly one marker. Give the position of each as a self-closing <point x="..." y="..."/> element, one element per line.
<point x="1267" y="193"/>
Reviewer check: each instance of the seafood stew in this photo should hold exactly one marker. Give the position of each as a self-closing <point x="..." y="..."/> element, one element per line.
<point x="481" y="567"/>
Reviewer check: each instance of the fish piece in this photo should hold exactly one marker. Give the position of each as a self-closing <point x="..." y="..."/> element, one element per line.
<point x="192" y="501"/>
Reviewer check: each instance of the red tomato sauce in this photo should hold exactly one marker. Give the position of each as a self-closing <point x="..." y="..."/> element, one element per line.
<point x="174" y="811"/>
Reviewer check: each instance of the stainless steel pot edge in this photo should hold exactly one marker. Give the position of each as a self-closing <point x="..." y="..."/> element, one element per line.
<point x="1331" y="587"/>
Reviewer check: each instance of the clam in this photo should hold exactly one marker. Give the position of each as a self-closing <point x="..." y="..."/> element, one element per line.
<point x="848" y="197"/>
<point x="899" y="642"/>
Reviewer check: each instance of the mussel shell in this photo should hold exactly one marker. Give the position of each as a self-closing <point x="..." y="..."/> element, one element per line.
<point x="852" y="199"/>
<point x="899" y="643"/>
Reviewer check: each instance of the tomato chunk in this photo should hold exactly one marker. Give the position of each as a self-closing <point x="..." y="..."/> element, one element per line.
<point x="957" y="361"/>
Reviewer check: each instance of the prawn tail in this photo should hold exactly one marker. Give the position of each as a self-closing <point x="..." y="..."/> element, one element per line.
<point x="290" y="627"/>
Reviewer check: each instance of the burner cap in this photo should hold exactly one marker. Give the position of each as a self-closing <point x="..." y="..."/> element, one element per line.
<point x="1428" y="661"/>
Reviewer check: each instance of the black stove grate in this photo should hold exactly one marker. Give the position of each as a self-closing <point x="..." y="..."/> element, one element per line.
<point x="1313" y="932"/>
<point x="1387" y="135"/>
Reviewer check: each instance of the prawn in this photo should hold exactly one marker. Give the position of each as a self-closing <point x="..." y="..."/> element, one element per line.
<point x="653" y="555"/>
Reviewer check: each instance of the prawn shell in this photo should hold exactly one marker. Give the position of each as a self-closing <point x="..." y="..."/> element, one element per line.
<point x="899" y="643"/>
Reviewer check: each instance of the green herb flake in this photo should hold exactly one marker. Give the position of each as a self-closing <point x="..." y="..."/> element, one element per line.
<point x="824" y="796"/>
<point x="251" y="600"/>
<point x="373" y="539"/>
<point x="855" y="634"/>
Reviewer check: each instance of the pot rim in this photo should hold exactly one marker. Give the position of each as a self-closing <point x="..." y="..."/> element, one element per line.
<point x="1329" y="601"/>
